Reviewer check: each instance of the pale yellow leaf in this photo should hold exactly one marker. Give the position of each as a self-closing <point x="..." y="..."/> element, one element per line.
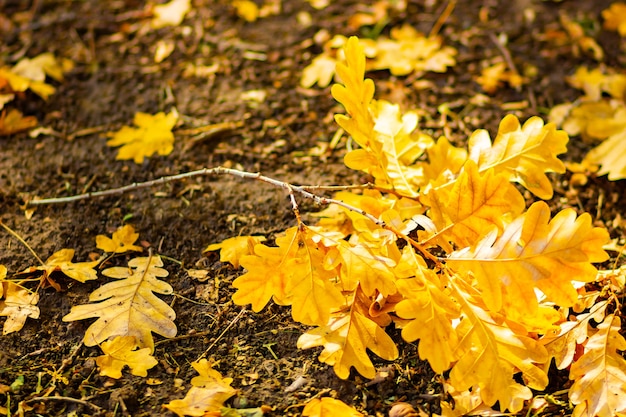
<point x="611" y="155"/>
<point x="321" y="71"/>
<point x="523" y="153"/>
<point x="345" y="339"/>
<point x="170" y="14"/>
<point x="18" y="304"/>
<point x="62" y="261"/>
<point x="122" y="351"/>
<point x="128" y="307"/>
<point x="599" y="375"/>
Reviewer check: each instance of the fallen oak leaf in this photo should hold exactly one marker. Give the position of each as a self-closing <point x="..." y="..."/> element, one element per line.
<point x="232" y="249"/>
<point x="207" y="395"/>
<point x="121" y="351"/>
<point x="329" y="407"/>
<point x="170" y="14"/>
<point x="128" y="307"/>
<point x="153" y="134"/>
<point x="615" y="18"/>
<point x="15" y="122"/>
<point x="18" y="304"/>
<point x="121" y="241"/>
<point x="61" y="261"/>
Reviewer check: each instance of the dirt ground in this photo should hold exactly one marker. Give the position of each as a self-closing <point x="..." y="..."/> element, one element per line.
<point x="115" y="76"/>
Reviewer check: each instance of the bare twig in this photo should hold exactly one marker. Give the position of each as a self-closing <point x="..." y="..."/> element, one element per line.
<point x="235" y="320"/>
<point x="207" y="171"/>
<point x="67" y="399"/>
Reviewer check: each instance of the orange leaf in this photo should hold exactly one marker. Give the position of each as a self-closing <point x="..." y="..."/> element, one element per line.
<point x="232" y="249"/>
<point x="14" y="122"/>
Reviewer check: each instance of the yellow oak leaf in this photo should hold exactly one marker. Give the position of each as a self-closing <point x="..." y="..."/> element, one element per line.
<point x="153" y="134"/>
<point x="523" y="153"/>
<point x="291" y="274"/>
<point x="207" y="395"/>
<point x="128" y="307"/>
<point x="266" y="275"/>
<point x="615" y="18"/>
<point x="534" y="252"/>
<point x="430" y="310"/>
<point x="410" y="51"/>
<point x="444" y="162"/>
<point x="14" y="121"/>
<point x="246" y="9"/>
<point x="62" y="261"/>
<point x="490" y="353"/>
<point x="232" y="249"/>
<point x="329" y="407"/>
<point x="360" y="265"/>
<point x="355" y="94"/>
<point x="599" y="375"/>
<point x="30" y="73"/>
<point x="474" y="205"/>
<point x="122" y="351"/>
<point x="170" y="14"/>
<point x="3" y="275"/>
<point x="611" y="155"/>
<point x="562" y="346"/>
<point x="345" y="339"/>
<point x="321" y="71"/>
<point x="18" y="304"/>
<point x="493" y="77"/>
<point x="121" y="241"/>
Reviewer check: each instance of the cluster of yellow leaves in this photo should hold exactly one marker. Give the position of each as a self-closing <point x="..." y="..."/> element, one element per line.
<point x="127" y="309"/>
<point x="598" y="115"/>
<point x="153" y="134"/>
<point x="406" y="51"/>
<point x="486" y="311"/>
<point x="28" y="74"/>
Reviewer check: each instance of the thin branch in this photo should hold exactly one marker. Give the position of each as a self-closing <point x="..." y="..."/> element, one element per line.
<point x="207" y="171"/>
<point x="67" y="399"/>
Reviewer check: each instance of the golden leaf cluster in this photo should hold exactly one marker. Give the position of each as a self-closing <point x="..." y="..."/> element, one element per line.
<point x="404" y="52"/>
<point x="598" y="115"/>
<point x="445" y="248"/>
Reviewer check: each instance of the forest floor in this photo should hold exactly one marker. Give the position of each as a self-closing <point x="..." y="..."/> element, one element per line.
<point x="115" y="76"/>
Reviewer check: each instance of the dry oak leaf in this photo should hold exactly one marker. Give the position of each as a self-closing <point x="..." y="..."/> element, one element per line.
<point x="128" y="307"/>
<point x="492" y="78"/>
<point x="594" y="82"/>
<point x="615" y="18"/>
<point x="14" y="122"/>
<point x="121" y="241"/>
<point x="430" y="310"/>
<point x="122" y="351"/>
<point x="207" y="395"/>
<point x="611" y="155"/>
<point x="534" y="252"/>
<point x="18" y="304"/>
<point x="562" y="346"/>
<point x="292" y="274"/>
<point x="329" y="407"/>
<point x="474" y="205"/>
<point x="345" y="339"/>
<point x="62" y="261"/>
<point x="490" y="353"/>
<point x="524" y="153"/>
<point x="232" y="249"/>
<point x="444" y="162"/>
<point x="170" y="14"/>
<point x="321" y="71"/>
<point x="153" y="134"/>
<point x="30" y="73"/>
<point x="599" y="376"/>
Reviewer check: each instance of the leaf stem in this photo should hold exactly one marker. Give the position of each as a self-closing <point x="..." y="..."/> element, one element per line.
<point x="22" y="241"/>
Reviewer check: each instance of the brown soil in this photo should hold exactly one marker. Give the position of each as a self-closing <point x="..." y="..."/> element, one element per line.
<point x="115" y="76"/>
